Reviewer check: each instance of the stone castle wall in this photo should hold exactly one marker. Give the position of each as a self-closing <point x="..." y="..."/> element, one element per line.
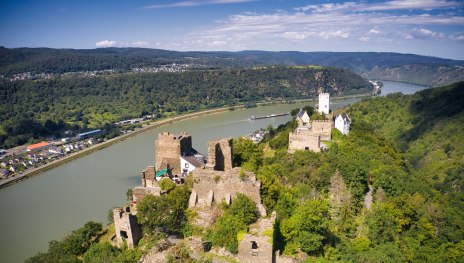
<point x="303" y="139"/>
<point x="171" y="146"/>
<point x="256" y="245"/>
<point x="212" y="186"/>
<point x="322" y="128"/>
<point x="148" y="177"/>
<point x="126" y="226"/>
<point x="220" y="154"/>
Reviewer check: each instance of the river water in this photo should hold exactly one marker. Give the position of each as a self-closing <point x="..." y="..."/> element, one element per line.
<point x="47" y="206"/>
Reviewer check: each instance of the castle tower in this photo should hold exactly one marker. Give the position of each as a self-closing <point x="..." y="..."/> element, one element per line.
<point x="169" y="148"/>
<point x="220" y="154"/>
<point x="126" y="226"/>
<point x="324" y="103"/>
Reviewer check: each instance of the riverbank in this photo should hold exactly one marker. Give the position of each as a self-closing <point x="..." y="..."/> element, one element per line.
<point x="55" y="163"/>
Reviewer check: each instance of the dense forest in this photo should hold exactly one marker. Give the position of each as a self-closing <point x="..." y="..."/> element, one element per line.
<point x="403" y="151"/>
<point x="411" y="68"/>
<point x="31" y="109"/>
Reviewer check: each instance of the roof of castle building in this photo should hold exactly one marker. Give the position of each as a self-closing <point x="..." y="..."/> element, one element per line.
<point x="300" y="113"/>
<point x="345" y="117"/>
<point x="194" y="161"/>
<point x="174" y="165"/>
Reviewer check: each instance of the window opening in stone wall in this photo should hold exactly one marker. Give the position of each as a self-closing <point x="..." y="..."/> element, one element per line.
<point x="254" y="245"/>
<point x="219" y="159"/>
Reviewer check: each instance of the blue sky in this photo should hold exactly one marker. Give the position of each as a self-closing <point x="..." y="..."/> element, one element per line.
<point x="424" y="27"/>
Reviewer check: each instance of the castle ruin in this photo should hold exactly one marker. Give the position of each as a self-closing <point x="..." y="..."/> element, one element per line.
<point x="220" y="154"/>
<point x="126" y="226"/>
<point x="169" y="148"/>
<point x="309" y="133"/>
<point x="221" y="182"/>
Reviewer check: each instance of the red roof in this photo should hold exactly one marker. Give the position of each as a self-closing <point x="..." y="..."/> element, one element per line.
<point x="37" y="145"/>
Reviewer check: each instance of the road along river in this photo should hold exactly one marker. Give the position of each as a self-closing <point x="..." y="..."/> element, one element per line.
<point x="47" y="206"/>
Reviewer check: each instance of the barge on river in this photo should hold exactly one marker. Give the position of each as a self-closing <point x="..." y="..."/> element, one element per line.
<point x="252" y="118"/>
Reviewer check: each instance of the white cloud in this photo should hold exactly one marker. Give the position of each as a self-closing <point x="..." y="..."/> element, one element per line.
<point x="140" y="44"/>
<point x="218" y="43"/>
<point x="382" y="6"/>
<point x="319" y="28"/>
<point x="105" y="43"/>
<point x="364" y="39"/>
<point x="328" y="7"/>
<point x="412" y="4"/>
<point x="423" y="33"/>
<point x="338" y="33"/>
<point x="296" y="35"/>
<point x="196" y="3"/>
<point x="457" y="36"/>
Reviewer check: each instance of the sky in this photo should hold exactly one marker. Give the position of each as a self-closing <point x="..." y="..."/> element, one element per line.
<point x="424" y="27"/>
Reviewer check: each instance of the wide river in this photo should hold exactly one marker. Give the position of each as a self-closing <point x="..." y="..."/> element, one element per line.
<point x="47" y="206"/>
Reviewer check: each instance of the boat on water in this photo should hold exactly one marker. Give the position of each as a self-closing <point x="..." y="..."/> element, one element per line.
<point x="252" y="118"/>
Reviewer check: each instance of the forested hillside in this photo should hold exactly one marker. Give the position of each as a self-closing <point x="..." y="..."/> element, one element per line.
<point x="411" y="147"/>
<point x="90" y="102"/>
<point x="409" y="68"/>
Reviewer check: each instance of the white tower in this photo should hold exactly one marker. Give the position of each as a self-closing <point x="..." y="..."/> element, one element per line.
<point x="324" y="103"/>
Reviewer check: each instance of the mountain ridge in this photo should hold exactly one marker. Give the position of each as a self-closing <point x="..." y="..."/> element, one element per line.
<point x="373" y="65"/>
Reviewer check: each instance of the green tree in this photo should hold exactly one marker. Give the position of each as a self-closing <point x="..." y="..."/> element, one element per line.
<point x="307" y="228"/>
<point x="165" y="213"/>
<point x="100" y="253"/>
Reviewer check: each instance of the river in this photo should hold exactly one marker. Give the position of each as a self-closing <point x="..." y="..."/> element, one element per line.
<point x="47" y="206"/>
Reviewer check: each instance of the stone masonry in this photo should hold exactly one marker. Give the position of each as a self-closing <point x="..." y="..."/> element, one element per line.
<point x="148" y="177"/>
<point x="309" y="137"/>
<point x="322" y="128"/>
<point x="220" y="154"/>
<point x="126" y="226"/>
<point x="304" y="139"/>
<point x="221" y="182"/>
<point x="256" y="245"/>
<point x="170" y="147"/>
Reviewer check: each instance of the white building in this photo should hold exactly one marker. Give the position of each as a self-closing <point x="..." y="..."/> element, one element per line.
<point x="324" y="103"/>
<point x="190" y="162"/>
<point x="303" y="118"/>
<point x="342" y="123"/>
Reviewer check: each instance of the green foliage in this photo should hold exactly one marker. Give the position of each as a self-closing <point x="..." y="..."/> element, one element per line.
<point x="129" y="195"/>
<point x="166" y="184"/>
<point x="100" y="253"/>
<point x="413" y="153"/>
<point x="54" y="105"/>
<point x="71" y="247"/>
<point x="237" y="216"/>
<point x="308" y="227"/>
<point x="247" y="154"/>
<point x="164" y="214"/>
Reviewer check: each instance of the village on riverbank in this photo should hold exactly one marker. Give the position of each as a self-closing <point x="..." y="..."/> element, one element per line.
<point x="20" y="163"/>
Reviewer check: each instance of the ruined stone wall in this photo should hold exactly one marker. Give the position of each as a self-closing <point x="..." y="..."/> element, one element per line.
<point x="214" y="186"/>
<point x="171" y="146"/>
<point x="303" y="140"/>
<point x="322" y="128"/>
<point x="256" y="245"/>
<point x="220" y="154"/>
<point x="148" y="177"/>
<point x="139" y="192"/>
<point x="126" y="227"/>
<point x="255" y="248"/>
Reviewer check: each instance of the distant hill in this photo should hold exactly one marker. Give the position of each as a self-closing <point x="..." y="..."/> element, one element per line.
<point x="26" y="105"/>
<point x="385" y="66"/>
